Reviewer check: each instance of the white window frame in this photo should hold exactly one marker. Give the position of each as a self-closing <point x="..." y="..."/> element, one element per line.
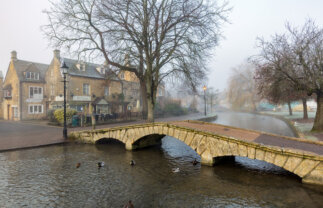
<point x="88" y="89"/>
<point x="34" y="109"/>
<point x="36" y="89"/>
<point x="15" y="112"/>
<point x="106" y="91"/>
<point x="7" y="93"/>
<point x="32" y="75"/>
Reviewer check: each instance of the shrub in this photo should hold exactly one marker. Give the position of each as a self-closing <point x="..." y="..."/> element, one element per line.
<point x="174" y="109"/>
<point x="59" y="115"/>
<point x="50" y="115"/>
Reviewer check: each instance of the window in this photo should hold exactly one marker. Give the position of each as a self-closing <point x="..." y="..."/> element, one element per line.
<point x="15" y="112"/>
<point x="32" y="75"/>
<point x="35" y="109"/>
<point x="106" y="91"/>
<point x="35" y="92"/>
<point x="78" y="108"/>
<point x="81" y="66"/>
<point x="86" y="89"/>
<point x="7" y="93"/>
<point x="122" y="75"/>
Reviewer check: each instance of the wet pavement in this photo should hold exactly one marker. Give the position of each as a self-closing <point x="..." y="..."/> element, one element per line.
<point x="16" y="135"/>
<point x="27" y="134"/>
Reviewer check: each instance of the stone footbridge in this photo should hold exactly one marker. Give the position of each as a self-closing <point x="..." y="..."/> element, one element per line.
<point x="212" y="141"/>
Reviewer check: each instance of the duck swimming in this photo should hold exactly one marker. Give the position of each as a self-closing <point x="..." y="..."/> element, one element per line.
<point x="132" y="162"/>
<point x="78" y="165"/>
<point x="195" y="162"/>
<point x="175" y="170"/>
<point x="100" y="164"/>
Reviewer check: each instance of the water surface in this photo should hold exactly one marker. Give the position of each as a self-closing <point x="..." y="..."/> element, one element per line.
<point x="47" y="177"/>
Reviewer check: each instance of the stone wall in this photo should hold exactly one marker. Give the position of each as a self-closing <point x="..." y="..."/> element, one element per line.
<point x="11" y="78"/>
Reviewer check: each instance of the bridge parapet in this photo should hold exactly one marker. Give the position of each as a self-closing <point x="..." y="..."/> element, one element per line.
<point x="209" y="146"/>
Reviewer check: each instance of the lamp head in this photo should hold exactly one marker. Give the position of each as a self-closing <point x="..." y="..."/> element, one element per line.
<point x="64" y="68"/>
<point x="204" y="87"/>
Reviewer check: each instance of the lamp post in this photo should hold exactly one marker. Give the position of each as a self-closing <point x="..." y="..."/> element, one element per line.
<point x="204" y="89"/>
<point x="64" y="71"/>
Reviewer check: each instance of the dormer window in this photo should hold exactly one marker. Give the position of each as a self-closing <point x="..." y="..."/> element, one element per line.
<point x="81" y="66"/>
<point x="101" y="70"/>
<point x="32" y="75"/>
<point x="122" y="75"/>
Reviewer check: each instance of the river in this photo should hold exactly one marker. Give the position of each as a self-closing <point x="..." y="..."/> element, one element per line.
<point x="47" y="177"/>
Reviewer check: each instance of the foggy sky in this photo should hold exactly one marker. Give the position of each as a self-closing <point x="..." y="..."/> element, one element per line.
<point x="20" y="22"/>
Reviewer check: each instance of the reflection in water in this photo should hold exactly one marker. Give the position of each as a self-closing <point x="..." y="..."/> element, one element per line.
<point x="47" y="177"/>
<point x="254" y="122"/>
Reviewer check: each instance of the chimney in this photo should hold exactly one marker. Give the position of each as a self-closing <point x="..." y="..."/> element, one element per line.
<point x="126" y="60"/>
<point x="57" y="54"/>
<point x="13" y="55"/>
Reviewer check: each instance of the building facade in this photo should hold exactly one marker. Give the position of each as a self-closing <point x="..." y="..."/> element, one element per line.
<point x="31" y="89"/>
<point x="23" y="90"/>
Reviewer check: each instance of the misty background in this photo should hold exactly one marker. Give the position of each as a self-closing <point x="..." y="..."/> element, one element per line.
<point x="21" y="20"/>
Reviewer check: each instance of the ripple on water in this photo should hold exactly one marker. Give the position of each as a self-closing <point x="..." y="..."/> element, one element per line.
<point x="47" y="177"/>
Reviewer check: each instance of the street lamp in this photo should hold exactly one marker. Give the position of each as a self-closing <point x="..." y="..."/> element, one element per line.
<point x="64" y="69"/>
<point x="204" y="89"/>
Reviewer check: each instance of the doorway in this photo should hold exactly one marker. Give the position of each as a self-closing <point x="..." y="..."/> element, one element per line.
<point x="8" y="112"/>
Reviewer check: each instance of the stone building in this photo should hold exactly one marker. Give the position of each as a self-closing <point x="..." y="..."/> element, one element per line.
<point x="1" y="95"/>
<point x="31" y="89"/>
<point x="89" y="86"/>
<point x="23" y="90"/>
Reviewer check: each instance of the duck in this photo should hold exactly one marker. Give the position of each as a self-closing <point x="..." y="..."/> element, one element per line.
<point x="132" y="162"/>
<point x="195" y="162"/>
<point x="175" y="170"/>
<point x="78" y="165"/>
<point x="100" y="164"/>
<point x="129" y="205"/>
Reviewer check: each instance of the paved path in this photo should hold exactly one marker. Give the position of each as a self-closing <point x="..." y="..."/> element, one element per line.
<point x="24" y="134"/>
<point x="254" y="136"/>
<point x="16" y="135"/>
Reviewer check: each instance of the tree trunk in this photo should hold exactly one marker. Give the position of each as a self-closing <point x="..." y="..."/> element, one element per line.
<point x="150" y="115"/>
<point x="305" y="116"/>
<point x="143" y="93"/>
<point x="318" y="121"/>
<point x="290" y="108"/>
<point x="150" y="99"/>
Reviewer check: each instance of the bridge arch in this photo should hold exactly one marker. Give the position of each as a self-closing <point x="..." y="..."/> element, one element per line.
<point x="210" y="147"/>
<point x="108" y="141"/>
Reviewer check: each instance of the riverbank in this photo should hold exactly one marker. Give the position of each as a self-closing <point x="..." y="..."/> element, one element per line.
<point x="297" y="123"/>
<point x="36" y="133"/>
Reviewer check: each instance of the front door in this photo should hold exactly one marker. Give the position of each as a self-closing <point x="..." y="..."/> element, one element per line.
<point x="14" y="113"/>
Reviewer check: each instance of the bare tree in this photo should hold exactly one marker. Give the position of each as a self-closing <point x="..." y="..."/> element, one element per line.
<point x="161" y="37"/>
<point x="297" y="57"/>
<point x="242" y="92"/>
<point x="271" y="85"/>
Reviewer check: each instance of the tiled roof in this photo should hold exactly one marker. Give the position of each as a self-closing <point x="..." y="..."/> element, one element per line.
<point x="22" y="66"/>
<point x="90" y="69"/>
